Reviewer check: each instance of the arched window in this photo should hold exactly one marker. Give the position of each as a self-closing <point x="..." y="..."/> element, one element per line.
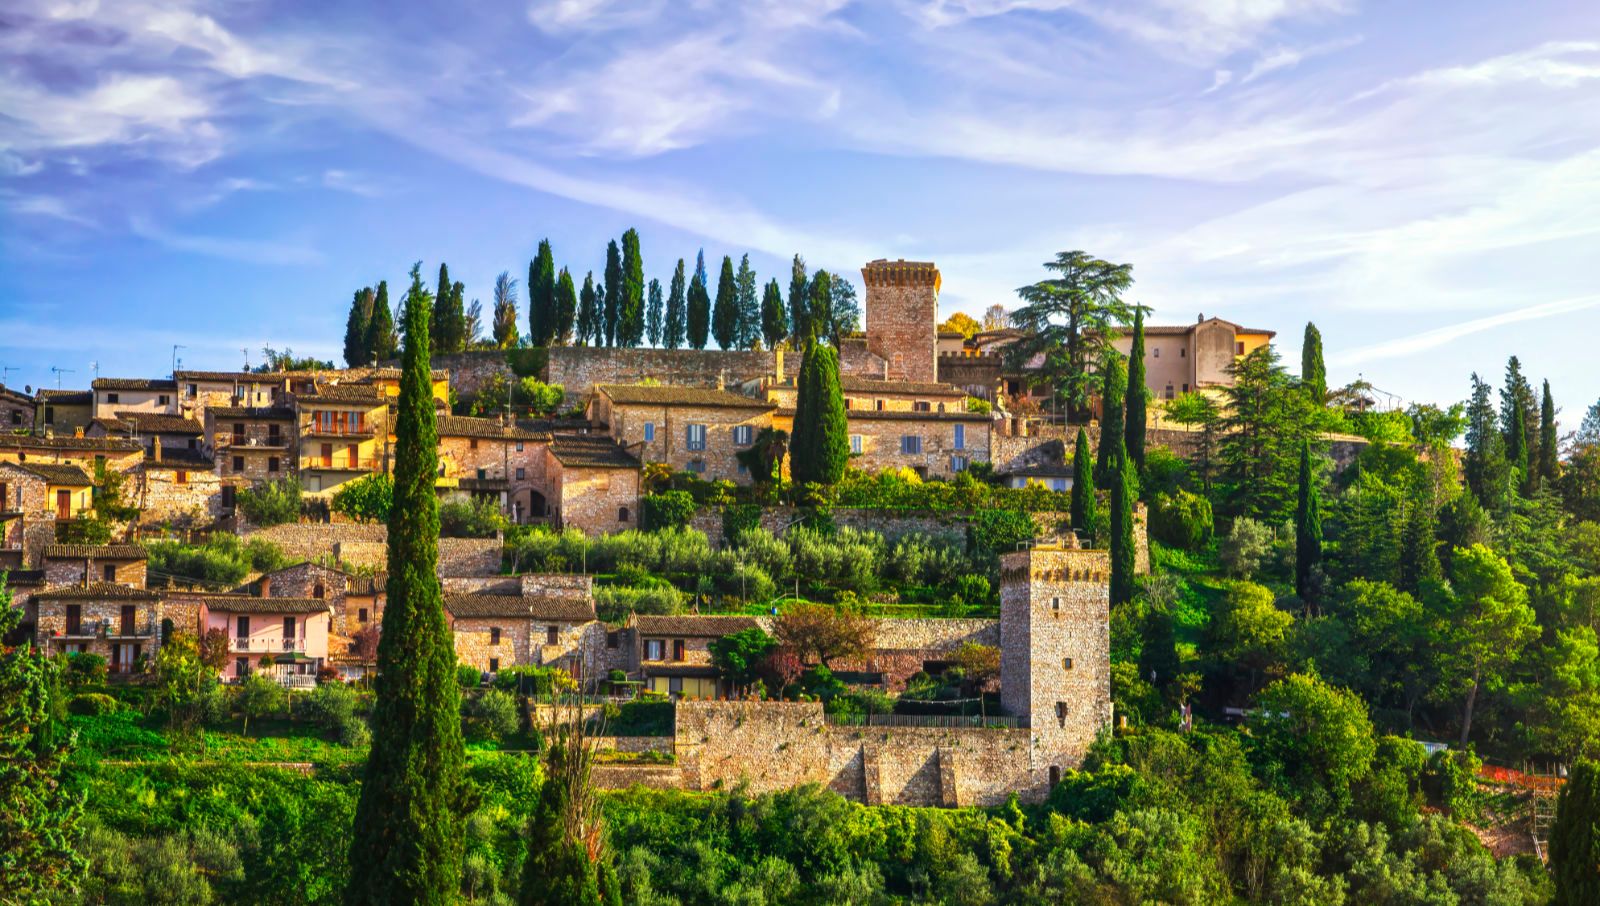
<point x="317" y="591"/>
<point x="622" y="514"/>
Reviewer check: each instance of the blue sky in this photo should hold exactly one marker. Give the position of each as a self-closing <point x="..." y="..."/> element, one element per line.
<point x="1422" y="180"/>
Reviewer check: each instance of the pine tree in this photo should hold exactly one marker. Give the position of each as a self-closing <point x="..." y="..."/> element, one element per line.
<point x="1313" y="373"/>
<point x="610" y="296"/>
<point x="675" y="330"/>
<point x="654" y="313"/>
<point x="543" y="311"/>
<point x="1549" y="448"/>
<point x="406" y="840"/>
<point x="725" y="313"/>
<point x="1307" y="529"/>
<point x="505" y="311"/>
<point x="774" y="323"/>
<point x="799" y="292"/>
<point x="749" y="305"/>
<point x="820" y="447"/>
<point x="591" y="330"/>
<point x="565" y="311"/>
<point x="1519" y="415"/>
<point x="1085" y="508"/>
<point x="1114" y="387"/>
<point x="1575" y="838"/>
<point x="1484" y="467"/>
<point x="630" y="309"/>
<point x="382" y="343"/>
<point x="1138" y="394"/>
<point x="356" y="327"/>
<point x="1124" y="491"/>
<point x="1419" y="546"/>
<point x="699" y="307"/>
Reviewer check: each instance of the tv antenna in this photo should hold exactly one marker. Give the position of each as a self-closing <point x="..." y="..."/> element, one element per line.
<point x="59" y="372"/>
<point x="5" y="374"/>
<point x="175" y="348"/>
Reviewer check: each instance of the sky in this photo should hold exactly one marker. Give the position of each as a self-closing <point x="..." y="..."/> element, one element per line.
<point x="1422" y="180"/>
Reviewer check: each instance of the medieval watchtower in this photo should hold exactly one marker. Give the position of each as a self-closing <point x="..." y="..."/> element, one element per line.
<point x="902" y="317"/>
<point x="1055" y="650"/>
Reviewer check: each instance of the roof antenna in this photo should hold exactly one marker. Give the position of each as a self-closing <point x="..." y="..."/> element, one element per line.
<point x="59" y="372"/>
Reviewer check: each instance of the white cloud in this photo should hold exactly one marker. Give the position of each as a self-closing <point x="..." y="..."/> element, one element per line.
<point x="248" y="251"/>
<point x="354" y="183"/>
<point x="1442" y="336"/>
<point x="153" y="110"/>
<point x="44" y="206"/>
<point x="1290" y="57"/>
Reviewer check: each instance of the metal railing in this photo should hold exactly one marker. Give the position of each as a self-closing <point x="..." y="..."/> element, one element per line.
<point x="339" y="463"/>
<point x="267" y="645"/>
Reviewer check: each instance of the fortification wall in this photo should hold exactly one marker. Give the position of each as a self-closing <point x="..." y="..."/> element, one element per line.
<point x="579" y="369"/>
<point x="361" y="544"/>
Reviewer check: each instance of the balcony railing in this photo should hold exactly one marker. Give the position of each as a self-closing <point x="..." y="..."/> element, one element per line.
<point x="264" y="443"/>
<point x="339" y="464"/>
<point x="267" y="645"/>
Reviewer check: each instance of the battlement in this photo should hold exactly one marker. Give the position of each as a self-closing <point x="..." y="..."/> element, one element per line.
<point x="901" y="272"/>
<point x="1055" y="564"/>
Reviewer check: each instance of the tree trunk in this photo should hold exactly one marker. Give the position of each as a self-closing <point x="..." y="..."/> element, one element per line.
<point x="1466" y="718"/>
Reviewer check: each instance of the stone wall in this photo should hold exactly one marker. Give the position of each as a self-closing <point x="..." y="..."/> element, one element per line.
<point x="186" y="498"/>
<point x="623" y="776"/>
<point x="978" y="375"/>
<point x="469" y="371"/>
<point x="902" y="310"/>
<point x="469" y="556"/>
<point x="518" y="461"/>
<point x="309" y="541"/>
<point x="881" y="444"/>
<point x="946" y="527"/>
<point x="594" y="500"/>
<point x="75" y="570"/>
<point x="579" y="369"/>
<point x="1021" y="444"/>
<point x="718" y="459"/>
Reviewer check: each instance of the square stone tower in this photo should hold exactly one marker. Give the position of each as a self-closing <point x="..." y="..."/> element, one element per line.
<point x="1055" y="650"/>
<point x="903" y="317"/>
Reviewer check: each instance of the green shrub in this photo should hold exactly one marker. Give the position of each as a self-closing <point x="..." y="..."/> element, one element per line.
<point x="468" y="676"/>
<point x="528" y="361"/>
<point x="533" y="681"/>
<point x="666" y="510"/>
<point x="761" y="548"/>
<point x="492" y="714"/>
<point x="94" y="704"/>
<point x="366" y="499"/>
<point x="738" y="518"/>
<point x="221" y="560"/>
<point x="993" y="532"/>
<point x="613" y="603"/>
<point x="480" y="518"/>
<point x="1451" y="783"/>
<point x="85" y="669"/>
<point x="1181" y="519"/>
<point x="271" y="503"/>
<point x="750" y="582"/>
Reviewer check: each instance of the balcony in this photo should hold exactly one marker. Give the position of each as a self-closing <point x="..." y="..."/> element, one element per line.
<point x="235" y="441"/>
<point x="340" y="464"/>
<point x="266" y="645"/>
<point x="315" y="430"/>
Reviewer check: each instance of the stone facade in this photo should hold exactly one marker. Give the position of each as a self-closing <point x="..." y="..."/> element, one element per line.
<point x="77" y="564"/>
<point x="486" y="458"/>
<point x="117" y="622"/>
<point x="933" y="445"/>
<point x="699" y="431"/>
<point x="580" y="369"/>
<point x="24" y="503"/>
<point x="593" y="499"/>
<point x="183" y="494"/>
<point x="17" y="410"/>
<point x="63" y="411"/>
<point x="902" y="313"/>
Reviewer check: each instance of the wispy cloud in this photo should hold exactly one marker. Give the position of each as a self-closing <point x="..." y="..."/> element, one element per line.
<point x="1442" y="336"/>
<point x="248" y="251"/>
<point x="1290" y="57"/>
<point x="354" y="183"/>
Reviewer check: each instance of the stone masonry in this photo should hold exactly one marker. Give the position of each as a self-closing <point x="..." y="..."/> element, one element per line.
<point x="902" y="314"/>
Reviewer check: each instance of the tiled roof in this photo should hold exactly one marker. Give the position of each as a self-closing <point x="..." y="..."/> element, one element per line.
<point x="253" y="413"/>
<point x="111" y="383"/>
<point x="56" y="473"/>
<point x="97" y="591"/>
<point x="462" y="426"/>
<point x="180" y="459"/>
<point x="20" y="577"/>
<point x="16" y="395"/>
<point x="94" y="551"/>
<point x="232" y="603"/>
<point x="40" y="442"/>
<point x="693" y="625"/>
<point x="891" y="415"/>
<point x="242" y="377"/>
<point x="159" y="423"/>
<point x="533" y="608"/>
<point x="868" y="385"/>
<point x="374" y="584"/>
<point x="344" y="393"/>
<point x="67" y="397"/>
<point x="592" y="453"/>
<point x="639" y="394"/>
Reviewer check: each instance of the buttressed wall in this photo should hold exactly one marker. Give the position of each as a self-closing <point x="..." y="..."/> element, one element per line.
<point x="902" y="317"/>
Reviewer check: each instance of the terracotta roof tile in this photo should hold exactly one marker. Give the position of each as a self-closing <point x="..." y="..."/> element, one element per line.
<point x="134" y="384"/>
<point x="532" y="608"/>
<point x="693" y="625"/>
<point x="94" y="551"/>
<point x="592" y="453"/>
<point x="56" y="473"/>
<point x="463" y="426"/>
<point x="639" y="394"/>
<point x="97" y="591"/>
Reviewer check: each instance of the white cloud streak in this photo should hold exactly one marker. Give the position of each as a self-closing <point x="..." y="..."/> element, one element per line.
<point x="1442" y="336"/>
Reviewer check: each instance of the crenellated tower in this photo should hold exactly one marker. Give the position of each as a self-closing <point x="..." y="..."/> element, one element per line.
<point x="903" y="316"/>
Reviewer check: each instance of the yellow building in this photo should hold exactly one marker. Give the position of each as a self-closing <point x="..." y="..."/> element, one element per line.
<point x="1198" y="356"/>
<point x="344" y="434"/>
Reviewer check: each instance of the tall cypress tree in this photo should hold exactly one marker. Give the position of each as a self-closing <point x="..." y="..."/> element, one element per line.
<point x="543" y="312"/>
<point x="749" y="305"/>
<point x="1313" y="373"/>
<point x="382" y="343"/>
<point x="1113" y="387"/>
<point x="1575" y="838"/>
<point x="798" y="297"/>
<point x="565" y="308"/>
<point x="1518" y="414"/>
<point x="820" y="448"/>
<point x="458" y="323"/>
<point x="654" y="313"/>
<point x="591" y="330"/>
<point x="1138" y="393"/>
<point x="630" y="309"/>
<point x="1307" y="529"/>
<point x="611" y="296"/>
<point x="1549" y="448"/>
<point x="1124" y="491"/>
<point x="819" y="290"/>
<point x="676" y="329"/>
<point x="1085" y="508"/>
<point x="699" y="308"/>
<point x="774" y="322"/>
<point x="406" y="840"/>
<point x="355" y="329"/>
<point x="725" y="313"/>
<point x="438" y="328"/>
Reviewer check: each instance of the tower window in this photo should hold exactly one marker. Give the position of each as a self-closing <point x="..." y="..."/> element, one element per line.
<point x="1066" y="663"/>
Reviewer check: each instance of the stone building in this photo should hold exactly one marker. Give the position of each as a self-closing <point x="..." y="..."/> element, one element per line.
<point x="153" y="431"/>
<point x="88" y="453"/>
<point x="594" y="484"/>
<point x="63" y="411"/>
<point x="902" y="316"/>
<point x="1180" y="358"/>
<point x="343" y="432"/>
<point x="285" y="636"/>
<point x="691" y="429"/>
<point x="59" y="491"/>
<point x="672" y="654"/>
<point x="17" y="410"/>
<point x="151" y="395"/>
<point x="250" y="445"/>
<point x="118" y="622"/>
<point x="201" y="391"/>
<point x="180" y="487"/>
<point x="483" y="457"/>
<point x="493" y="631"/>
<point x="932" y="444"/>
<point x="78" y="564"/>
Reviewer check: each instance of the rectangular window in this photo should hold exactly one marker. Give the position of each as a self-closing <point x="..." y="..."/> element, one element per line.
<point x="921" y="406"/>
<point x="193" y="390"/>
<point x="113" y="398"/>
<point x="494" y="635"/>
<point x="49" y="415"/>
<point x="519" y="446"/>
<point x="162" y="399"/>
<point x="238" y="463"/>
<point x="288" y="628"/>
<point x="910" y="444"/>
<point x="552" y="636"/>
<point x="857" y="443"/>
<point x="1238" y="347"/>
<point x="272" y="435"/>
<point x="241" y="627"/>
<point x="958" y="463"/>
<point x="110" y="572"/>
<point x="743" y="435"/>
<point x="1155" y="353"/>
<point x="1185" y="388"/>
<point x="678" y="649"/>
<point x="74" y="619"/>
<point x="494" y="665"/>
<point x="961" y="437"/>
<point x="482" y="474"/>
<point x="655" y="649"/>
<point x="649" y="432"/>
<point x="361" y="615"/>
<point x="697" y="466"/>
<point x="1183" y="352"/>
<point x="130" y="616"/>
<point x="354" y="453"/>
<point x="181" y="477"/>
<point x="1167" y="393"/>
<point x="613" y="640"/>
<point x="695" y="437"/>
<point x="16" y="416"/>
<point x="472" y="443"/>
<point x="272" y="463"/>
<point x="878" y="405"/>
<point x="521" y="473"/>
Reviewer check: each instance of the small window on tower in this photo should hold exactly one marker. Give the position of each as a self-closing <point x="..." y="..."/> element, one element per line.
<point x="1055" y="604"/>
<point x="1066" y="663"/>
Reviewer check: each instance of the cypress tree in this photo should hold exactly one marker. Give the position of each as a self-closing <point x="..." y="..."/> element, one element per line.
<point x="1138" y="393"/>
<point x="565" y="310"/>
<point x="1419" y="546"/>
<point x="1114" y="385"/>
<point x="1124" y="491"/>
<point x="1549" y="448"/>
<point x="1313" y="373"/>
<point x="610" y="298"/>
<point x="1085" y="515"/>
<point x="459" y="325"/>
<point x="382" y="343"/>
<point x="543" y="312"/>
<point x="355" y="328"/>
<point x="774" y="322"/>
<point x="438" y="327"/>
<point x="589" y="316"/>
<point x="1518" y="410"/>
<point x="1307" y="529"/>
<point x="675" y="330"/>
<point x="749" y="305"/>
<point x="820" y="447"/>
<point x="725" y="313"/>
<point x="820" y="292"/>
<point x="630" y="309"/>
<point x="654" y="314"/>
<point x="1575" y="838"/>
<point x="406" y="840"/>
<point x="799" y="329"/>
<point x="699" y="308"/>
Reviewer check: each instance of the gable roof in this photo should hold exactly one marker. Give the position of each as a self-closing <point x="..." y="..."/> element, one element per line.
<point x="464" y="426"/>
<point x="134" y="384"/>
<point x="642" y="395"/>
<point x="40" y="442"/>
<point x="870" y="385"/>
<point x="693" y="625"/>
<point x="57" y="473"/>
<point x="97" y="591"/>
<point x="591" y="453"/>
<point x="95" y="552"/>
<point x="15" y="395"/>
<point x="237" y="603"/>
<point x="344" y="393"/>
<point x="189" y="460"/>
<point x="532" y="608"/>
<point x="67" y="397"/>
<point x="255" y="413"/>
<point x="155" y="423"/>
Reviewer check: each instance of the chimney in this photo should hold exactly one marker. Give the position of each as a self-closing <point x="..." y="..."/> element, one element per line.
<point x="155" y="447"/>
<point x="722" y="379"/>
<point x="1200" y="317"/>
<point x="266" y="587"/>
<point x="78" y="431"/>
<point x="777" y="364"/>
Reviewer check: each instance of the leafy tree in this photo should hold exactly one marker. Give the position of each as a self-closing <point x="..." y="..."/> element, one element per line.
<point x="823" y="632"/>
<point x="1124" y="491"/>
<point x="271" y="503"/>
<point x="739" y="655"/>
<point x="1549" y="469"/>
<point x="471" y="321"/>
<point x="406" y="846"/>
<point x="1113" y="396"/>
<point x="260" y="697"/>
<point x="961" y="323"/>
<point x="655" y="313"/>
<point x="748" y="304"/>
<point x="1085" y="515"/>
<point x="1196" y="410"/>
<point x="505" y="311"/>
<point x="1313" y="373"/>
<point x="611" y="309"/>
<point x="382" y="342"/>
<point x="774" y="321"/>
<point x="1315" y="739"/>
<point x="725" y="313"/>
<point x="213" y="649"/>
<point x="764" y="455"/>
<point x="631" y="309"/>
<point x="1248" y="629"/>
<point x="799" y="301"/>
<point x="274" y="361"/>
<point x="1307" y="530"/>
<point x="1489" y="625"/>
<point x="844" y="308"/>
<point x="40" y="829"/>
<point x="591" y="329"/>
<point x="699" y="306"/>
<point x="1071" y="318"/>
<point x="569" y="863"/>
<point x="996" y="318"/>
<point x="1575" y="838"/>
<point x="365" y="499"/>
<point x="674" y="330"/>
<point x="1138" y="395"/>
<point x="1432" y="425"/>
<point x="179" y="676"/>
<point x="820" y="446"/>
<point x="1267" y="418"/>
<point x="544" y="318"/>
<point x="356" y="327"/>
<point x="566" y="311"/>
